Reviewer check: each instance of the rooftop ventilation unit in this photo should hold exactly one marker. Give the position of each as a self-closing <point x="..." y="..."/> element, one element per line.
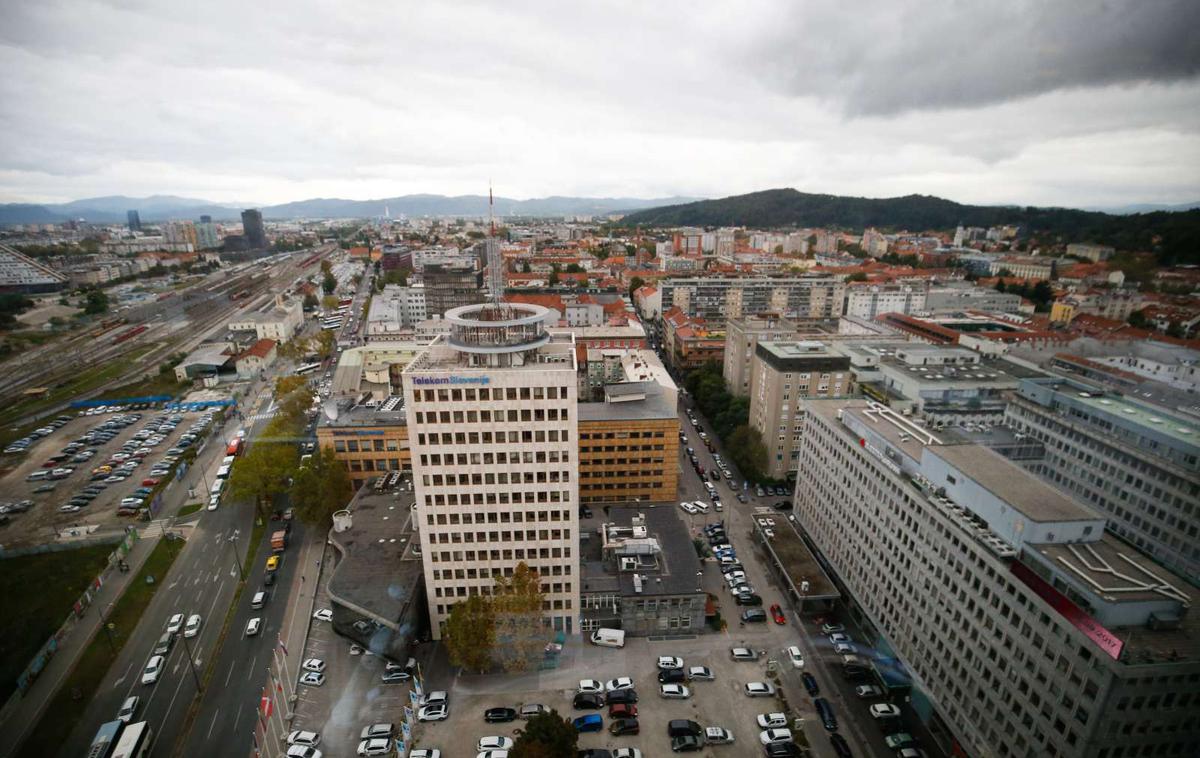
<point x="629" y="564"/>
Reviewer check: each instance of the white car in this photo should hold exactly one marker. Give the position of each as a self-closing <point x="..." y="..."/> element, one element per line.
<point x="759" y="689"/>
<point x="303" y="751"/>
<point x="772" y="720"/>
<point x="153" y="669"/>
<point x="377" y="746"/>
<point x="620" y="683"/>
<point x="867" y="690"/>
<point x="716" y="735"/>
<point x="437" y="712"/>
<point x="375" y="731"/>
<point x="590" y="686"/>
<point x="700" y="674"/>
<point x="311" y="739"/>
<point x="669" y="663"/>
<point x="313" y="664"/>
<point x="492" y="754"/>
<point x="312" y="678"/>
<point x="674" y="691"/>
<point x="627" y="752"/>
<point x="426" y="752"/>
<point x="689" y="508"/>
<point x="128" y="708"/>
<point x="494" y="742"/>
<point x="832" y="628"/>
<point x="192" y="628"/>
<point x="323" y="614"/>
<point x="885" y="711"/>
<point x="795" y="656"/>
<point x="771" y="736"/>
<point x="175" y="623"/>
<point x="839" y="637"/>
<point x="437" y="697"/>
<point x="252" y="626"/>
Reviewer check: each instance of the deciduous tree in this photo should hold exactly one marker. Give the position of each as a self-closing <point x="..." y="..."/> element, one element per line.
<point x="470" y="634"/>
<point x="546" y="735"/>
<point x="320" y="488"/>
<point x="519" y="624"/>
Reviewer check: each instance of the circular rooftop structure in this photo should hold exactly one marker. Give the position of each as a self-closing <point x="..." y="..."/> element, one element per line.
<point x="495" y="328"/>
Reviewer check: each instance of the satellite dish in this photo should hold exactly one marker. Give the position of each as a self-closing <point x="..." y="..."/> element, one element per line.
<point x="331" y="410"/>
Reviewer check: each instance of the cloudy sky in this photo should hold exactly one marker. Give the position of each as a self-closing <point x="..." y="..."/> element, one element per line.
<point x="1066" y="103"/>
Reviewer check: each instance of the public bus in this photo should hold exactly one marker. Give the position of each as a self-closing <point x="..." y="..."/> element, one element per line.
<point x="332" y="324"/>
<point x="135" y="741"/>
<point x="308" y="368"/>
<point x="106" y="739"/>
<point x="346" y="301"/>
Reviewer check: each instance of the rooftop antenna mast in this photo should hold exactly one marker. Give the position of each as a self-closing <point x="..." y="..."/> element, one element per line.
<point x="495" y="261"/>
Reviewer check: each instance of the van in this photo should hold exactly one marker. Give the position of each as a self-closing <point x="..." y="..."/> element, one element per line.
<point x="38" y="475"/>
<point x="710" y="487"/>
<point x="701" y="506"/>
<point x="259" y="599"/>
<point x="609" y="637"/>
<point x="825" y="711"/>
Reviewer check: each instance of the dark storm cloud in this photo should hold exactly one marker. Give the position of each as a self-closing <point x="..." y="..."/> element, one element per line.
<point x="889" y="57"/>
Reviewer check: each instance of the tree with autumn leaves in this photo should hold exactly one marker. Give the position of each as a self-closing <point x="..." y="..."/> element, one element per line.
<point x="505" y="628"/>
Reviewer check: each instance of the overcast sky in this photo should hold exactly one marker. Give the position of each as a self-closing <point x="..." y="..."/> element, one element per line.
<point x="1065" y="103"/>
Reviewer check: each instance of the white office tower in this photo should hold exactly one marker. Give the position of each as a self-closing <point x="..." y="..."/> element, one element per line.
<point x="1001" y="608"/>
<point x="492" y="427"/>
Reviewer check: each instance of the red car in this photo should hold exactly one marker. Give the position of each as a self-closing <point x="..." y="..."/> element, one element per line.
<point x="149" y="482"/>
<point x="622" y="711"/>
<point x="777" y="614"/>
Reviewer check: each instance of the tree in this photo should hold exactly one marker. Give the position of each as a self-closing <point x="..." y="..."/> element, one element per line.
<point x="517" y="601"/>
<point x="329" y="302"/>
<point x="310" y="301"/>
<point x="553" y="275"/>
<point x="328" y="283"/>
<point x="326" y="266"/>
<point x="1138" y="319"/>
<point x="857" y="276"/>
<point x="524" y="267"/>
<point x="266" y="468"/>
<point x="748" y="452"/>
<point x="95" y="302"/>
<point x="470" y="634"/>
<point x="320" y="488"/>
<point x="635" y="284"/>
<point x="574" y="268"/>
<point x="546" y="735"/>
<point x="325" y="340"/>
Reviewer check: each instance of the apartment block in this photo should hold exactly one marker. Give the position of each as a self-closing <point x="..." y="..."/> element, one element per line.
<point x="1137" y="464"/>
<point x="996" y="604"/>
<point x="493" y="428"/>
<point x="717" y="299"/>
<point x="869" y="300"/>
<point x="783" y="376"/>
<point x="742" y="336"/>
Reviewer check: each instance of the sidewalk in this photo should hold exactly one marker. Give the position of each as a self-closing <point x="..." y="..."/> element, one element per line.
<point x="21" y="713"/>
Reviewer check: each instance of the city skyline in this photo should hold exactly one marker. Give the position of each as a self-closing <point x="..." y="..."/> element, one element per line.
<point x="982" y="105"/>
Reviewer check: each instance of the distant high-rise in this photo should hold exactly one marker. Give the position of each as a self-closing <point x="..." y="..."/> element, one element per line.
<point x="135" y="222"/>
<point x="204" y="219"/>
<point x="253" y="229"/>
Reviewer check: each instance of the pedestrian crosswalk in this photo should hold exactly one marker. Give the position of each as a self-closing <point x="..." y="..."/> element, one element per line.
<point x="261" y="416"/>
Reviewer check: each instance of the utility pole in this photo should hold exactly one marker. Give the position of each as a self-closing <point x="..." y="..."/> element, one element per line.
<point x="233" y="541"/>
<point x="191" y="663"/>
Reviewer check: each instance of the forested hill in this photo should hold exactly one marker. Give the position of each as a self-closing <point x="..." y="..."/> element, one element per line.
<point x="1174" y="236"/>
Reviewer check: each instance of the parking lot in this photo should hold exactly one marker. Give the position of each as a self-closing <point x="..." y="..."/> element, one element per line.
<point x="63" y="465"/>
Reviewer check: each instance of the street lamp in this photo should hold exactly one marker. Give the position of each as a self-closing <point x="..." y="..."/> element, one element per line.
<point x="191" y="662"/>
<point x="233" y="541"/>
<point x="107" y="627"/>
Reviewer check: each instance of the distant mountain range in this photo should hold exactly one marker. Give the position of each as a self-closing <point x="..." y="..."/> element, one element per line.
<point x="1174" y="236"/>
<point x="112" y="209"/>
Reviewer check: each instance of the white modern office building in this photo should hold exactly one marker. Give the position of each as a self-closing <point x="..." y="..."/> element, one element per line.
<point x="493" y="427"/>
<point x="997" y="606"/>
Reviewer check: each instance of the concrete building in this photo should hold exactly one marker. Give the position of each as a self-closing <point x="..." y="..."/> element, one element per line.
<point x="995" y="605"/>
<point x="1093" y="253"/>
<point x="396" y="309"/>
<point x="783" y="376"/>
<point x="368" y="439"/>
<point x="869" y="300"/>
<point x="20" y="273"/>
<point x="1032" y="267"/>
<point x="493" y="426"/>
<point x="742" y="336"/>
<point x="280" y="323"/>
<point x="451" y="284"/>
<point x="718" y="298"/>
<point x="133" y="221"/>
<point x="1137" y="464"/>
<point x="253" y="360"/>
<point x="957" y="299"/>
<point x="206" y="234"/>
<point x="212" y="360"/>
<point x="253" y="229"/>
<point x="943" y="385"/>
<point x="640" y="572"/>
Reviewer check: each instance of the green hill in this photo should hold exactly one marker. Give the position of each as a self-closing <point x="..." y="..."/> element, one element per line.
<point x="1173" y="236"/>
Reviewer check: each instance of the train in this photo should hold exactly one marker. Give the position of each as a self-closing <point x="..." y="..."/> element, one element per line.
<point x="129" y="334"/>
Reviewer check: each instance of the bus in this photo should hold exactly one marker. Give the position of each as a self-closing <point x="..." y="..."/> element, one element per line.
<point x="308" y="368"/>
<point x="234" y="447"/>
<point x="346" y="301"/>
<point x="135" y="741"/>
<point x="332" y="324"/>
<point x="106" y="739"/>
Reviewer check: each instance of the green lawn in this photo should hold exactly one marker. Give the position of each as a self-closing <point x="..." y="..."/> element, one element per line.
<point x="44" y="587"/>
<point x="64" y="712"/>
<point x="189" y="509"/>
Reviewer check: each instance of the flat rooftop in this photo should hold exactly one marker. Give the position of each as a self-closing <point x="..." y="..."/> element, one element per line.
<point x="363" y="415"/>
<point x="656" y="405"/>
<point x="678" y="563"/>
<point x="377" y="571"/>
<point x="1162" y="422"/>
<point x="969" y="375"/>
<point x="794" y="557"/>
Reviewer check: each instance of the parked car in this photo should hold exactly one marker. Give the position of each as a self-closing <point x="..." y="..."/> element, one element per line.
<point x="759" y="689"/>
<point x="499" y="715"/>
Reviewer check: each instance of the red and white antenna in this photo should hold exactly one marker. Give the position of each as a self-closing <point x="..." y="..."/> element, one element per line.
<point x="491" y="212"/>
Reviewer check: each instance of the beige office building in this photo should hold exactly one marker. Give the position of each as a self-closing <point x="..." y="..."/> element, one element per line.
<point x="492" y="428"/>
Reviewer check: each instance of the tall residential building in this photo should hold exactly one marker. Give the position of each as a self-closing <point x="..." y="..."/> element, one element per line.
<point x="206" y="234"/>
<point x="741" y="338"/>
<point x="783" y="376"/>
<point x="952" y="299"/>
<point x="719" y="298"/>
<point x="253" y="229"/>
<point x="133" y="220"/>
<point x="870" y="300"/>
<point x="999" y="606"/>
<point x="451" y="285"/>
<point x="1137" y="464"/>
<point x="493" y="430"/>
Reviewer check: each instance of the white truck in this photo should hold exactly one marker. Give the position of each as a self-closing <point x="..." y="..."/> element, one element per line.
<point x="609" y="637"/>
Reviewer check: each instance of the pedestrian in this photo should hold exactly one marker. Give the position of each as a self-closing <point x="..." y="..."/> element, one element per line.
<point x="302" y="578"/>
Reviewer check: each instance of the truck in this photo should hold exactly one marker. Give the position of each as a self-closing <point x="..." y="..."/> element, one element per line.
<point x="609" y="637"/>
<point x="279" y="539"/>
